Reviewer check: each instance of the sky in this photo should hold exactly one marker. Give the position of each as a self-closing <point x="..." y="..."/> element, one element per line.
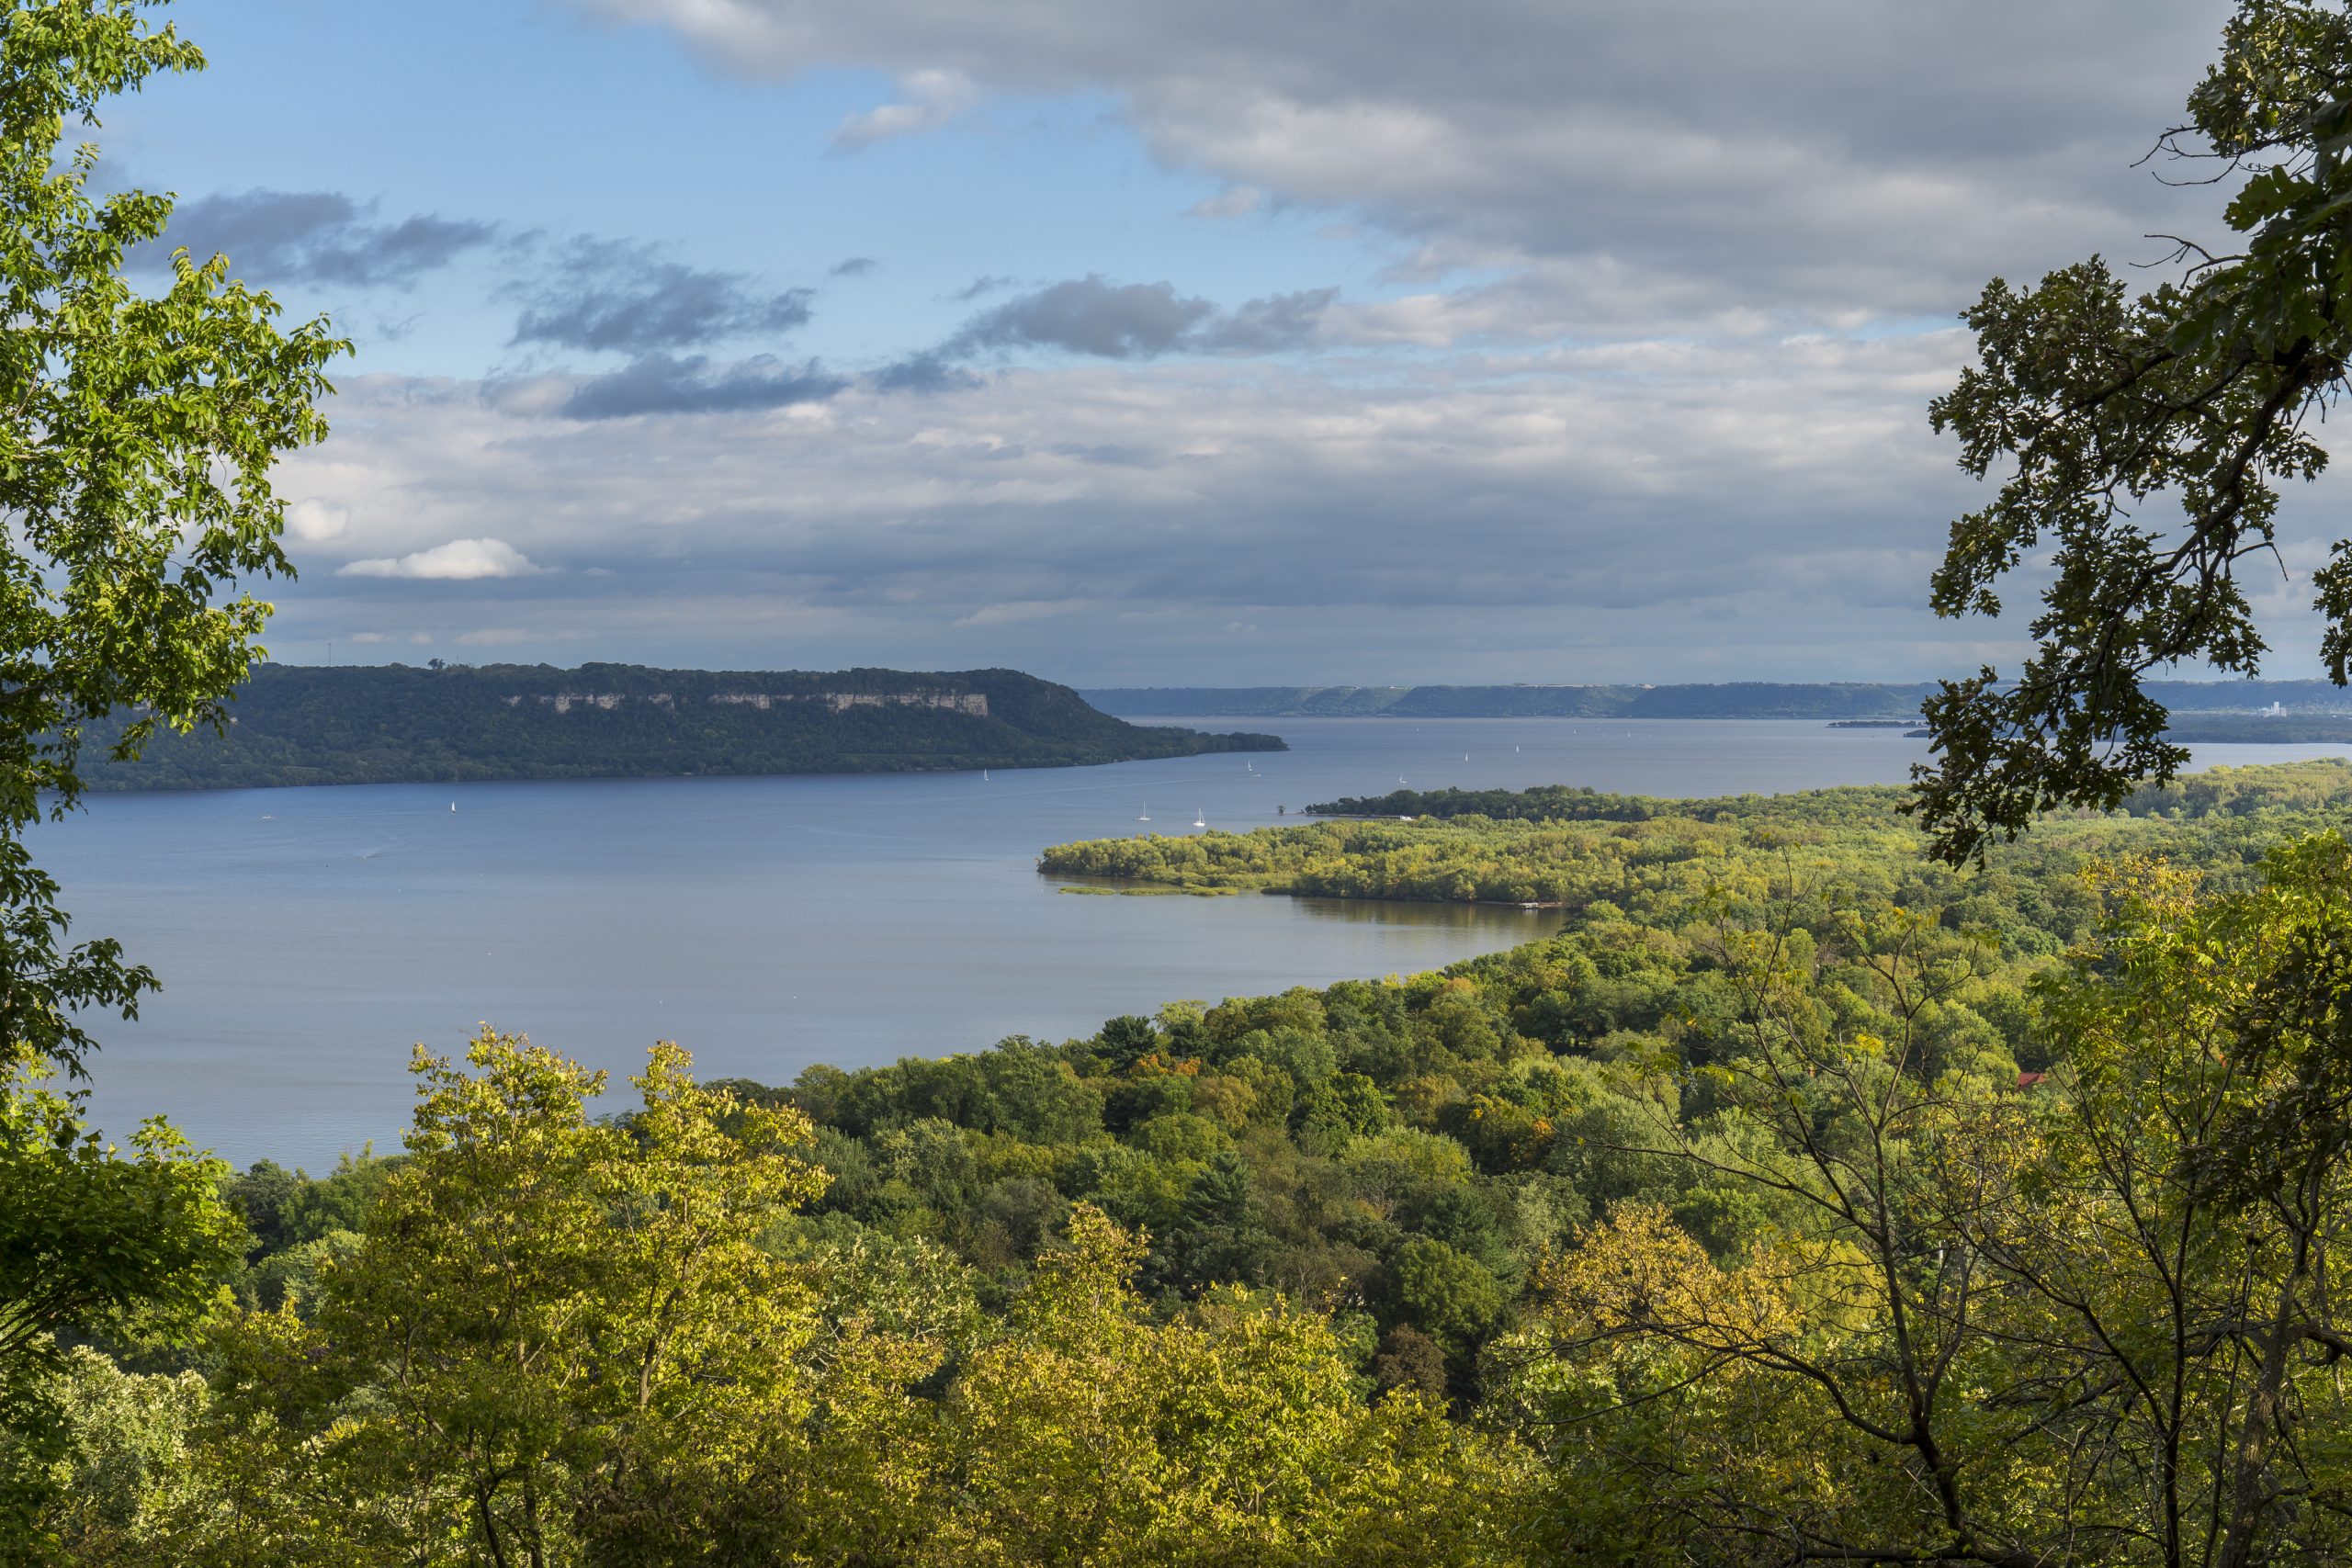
<point x="1160" y="341"/>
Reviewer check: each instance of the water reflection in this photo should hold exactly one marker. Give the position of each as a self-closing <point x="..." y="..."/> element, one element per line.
<point x="1507" y="924"/>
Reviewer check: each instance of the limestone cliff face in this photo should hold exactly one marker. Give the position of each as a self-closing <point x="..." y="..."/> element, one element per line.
<point x="975" y="704"/>
<point x="564" y="702"/>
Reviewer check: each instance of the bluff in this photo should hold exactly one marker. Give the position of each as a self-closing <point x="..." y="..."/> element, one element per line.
<point x="305" y="725"/>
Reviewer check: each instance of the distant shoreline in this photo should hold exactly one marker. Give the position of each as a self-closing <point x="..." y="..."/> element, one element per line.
<point x="1857" y="705"/>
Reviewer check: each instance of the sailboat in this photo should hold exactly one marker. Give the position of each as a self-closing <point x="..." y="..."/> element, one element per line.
<point x="984" y="776"/>
<point x="453" y="805"/>
<point x="1147" y="812"/>
<point x="1201" y="817"/>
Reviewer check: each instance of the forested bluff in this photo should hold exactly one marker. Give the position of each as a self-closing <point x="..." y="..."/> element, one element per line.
<point x="1799" y="1184"/>
<point x="388" y="724"/>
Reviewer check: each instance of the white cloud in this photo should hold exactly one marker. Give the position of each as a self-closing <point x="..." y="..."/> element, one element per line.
<point x="1813" y="154"/>
<point x="1233" y="201"/>
<point x="313" y="520"/>
<point x="460" y="560"/>
<point x="932" y="99"/>
<point x="1637" y="508"/>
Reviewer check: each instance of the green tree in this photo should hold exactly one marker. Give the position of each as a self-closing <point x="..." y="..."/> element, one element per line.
<point x="1088" y="1434"/>
<point x="2089" y="1321"/>
<point x="1443" y="1293"/>
<point x="137" y="436"/>
<point x="2141" y="436"/>
<point x="555" y="1331"/>
<point x="123" y="1479"/>
<point x="2167" y="1228"/>
<point x="95" y="1242"/>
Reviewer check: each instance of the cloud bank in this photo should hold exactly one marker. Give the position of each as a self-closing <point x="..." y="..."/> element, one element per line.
<point x="275" y="237"/>
<point x="626" y="296"/>
<point x="460" y="560"/>
<point x="1639" y="395"/>
<point x="1817" y="156"/>
<point x="1563" y="499"/>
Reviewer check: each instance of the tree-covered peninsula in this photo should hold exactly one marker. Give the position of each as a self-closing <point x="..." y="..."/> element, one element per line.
<point x="2318" y="787"/>
<point x="1578" y="849"/>
<point x="302" y="725"/>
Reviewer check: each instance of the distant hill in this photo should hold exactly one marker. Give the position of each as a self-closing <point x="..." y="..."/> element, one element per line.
<point x="2291" y="729"/>
<point x="303" y="725"/>
<point x="1744" y="700"/>
<point x="1741" y="699"/>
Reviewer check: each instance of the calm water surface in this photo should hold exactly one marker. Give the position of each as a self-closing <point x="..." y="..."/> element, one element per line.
<point x="307" y="937"/>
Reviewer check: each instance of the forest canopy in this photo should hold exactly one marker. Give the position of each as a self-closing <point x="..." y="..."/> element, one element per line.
<point x="1784" y="1209"/>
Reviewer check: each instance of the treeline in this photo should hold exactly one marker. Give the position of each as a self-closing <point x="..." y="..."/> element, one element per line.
<point x="2260" y="729"/>
<point x="1570" y="803"/>
<point x="302" y="724"/>
<point x="2322" y="784"/>
<point x="1831" y="1196"/>
<point x="1578" y="849"/>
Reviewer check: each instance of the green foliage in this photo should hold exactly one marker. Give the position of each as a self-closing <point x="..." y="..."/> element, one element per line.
<point x="2092" y="397"/>
<point x="1447" y="1295"/>
<point x="122" y="1469"/>
<point x="1735" y="1205"/>
<point x="135" y="452"/>
<point x="91" y="1242"/>
<point x="137" y="436"/>
<point x="1324" y="1142"/>
<point x="562" y="1340"/>
<point x="1975" y="1318"/>
<point x="284" y="1208"/>
<point x="542" y="1309"/>
<point x="1659" y="861"/>
<point x="1563" y="802"/>
<point x="1232" y="1434"/>
<point x="294" y="725"/>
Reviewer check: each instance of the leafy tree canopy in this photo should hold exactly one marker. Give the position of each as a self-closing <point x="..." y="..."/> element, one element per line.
<point x="2141" y="437"/>
<point x="137" y="435"/>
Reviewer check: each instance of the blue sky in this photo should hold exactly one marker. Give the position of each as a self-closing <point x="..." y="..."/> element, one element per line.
<point x="546" y="122"/>
<point x="1160" y="342"/>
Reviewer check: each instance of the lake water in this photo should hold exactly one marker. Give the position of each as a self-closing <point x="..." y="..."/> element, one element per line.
<point x="305" y="937"/>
